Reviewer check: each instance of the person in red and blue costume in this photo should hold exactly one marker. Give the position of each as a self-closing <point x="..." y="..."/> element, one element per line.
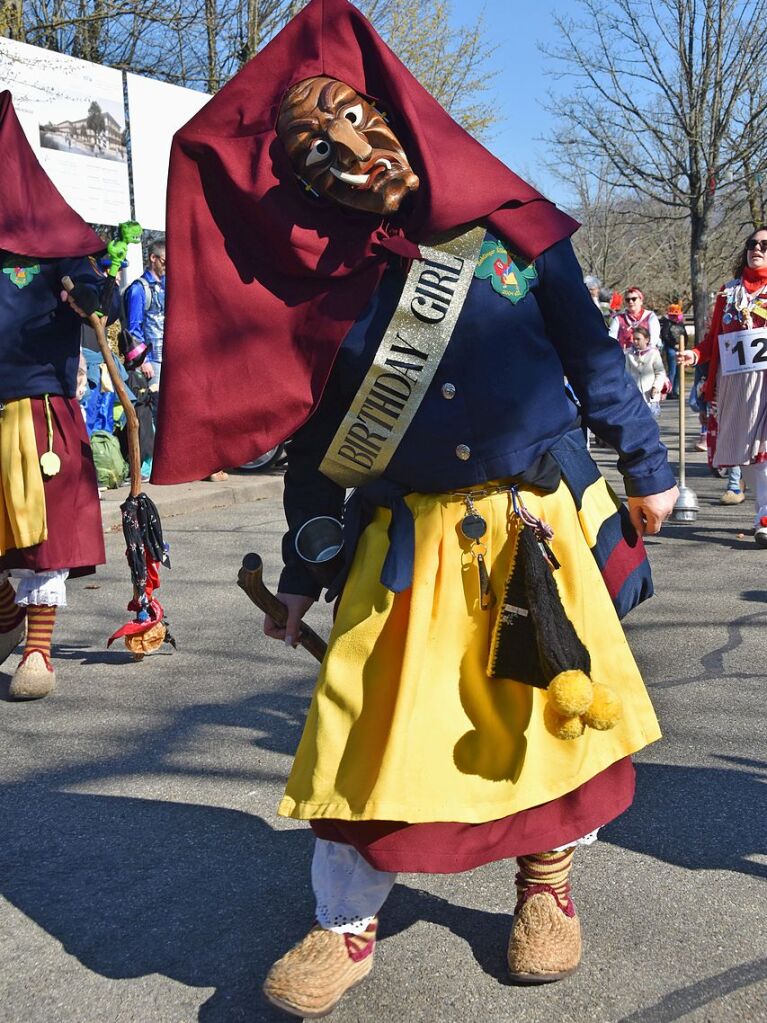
<point x="50" y="520"/>
<point x="341" y="208"/>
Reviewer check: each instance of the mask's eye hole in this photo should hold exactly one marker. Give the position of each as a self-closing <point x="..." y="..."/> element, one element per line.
<point x="320" y="151"/>
<point x="355" y="115"/>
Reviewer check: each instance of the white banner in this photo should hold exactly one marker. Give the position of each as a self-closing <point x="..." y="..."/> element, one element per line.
<point x="73" y="114"/>
<point x="157" y="110"/>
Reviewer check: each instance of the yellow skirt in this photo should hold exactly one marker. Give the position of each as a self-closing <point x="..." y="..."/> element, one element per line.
<point x="23" y="520"/>
<point x="406" y="725"/>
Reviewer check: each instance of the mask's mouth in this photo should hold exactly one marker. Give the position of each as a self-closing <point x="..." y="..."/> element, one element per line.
<point x="370" y="173"/>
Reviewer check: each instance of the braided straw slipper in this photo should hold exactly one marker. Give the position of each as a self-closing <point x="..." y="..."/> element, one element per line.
<point x="33" y="679"/>
<point x="545" y="943"/>
<point x="315" y="974"/>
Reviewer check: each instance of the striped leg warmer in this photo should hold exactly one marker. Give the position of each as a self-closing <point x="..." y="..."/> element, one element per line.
<point x="10" y="613"/>
<point x="40" y="622"/>
<point x="546" y="872"/>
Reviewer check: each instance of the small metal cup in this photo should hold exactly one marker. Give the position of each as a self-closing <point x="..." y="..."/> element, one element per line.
<point x="686" y="507"/>
<point x="320" y="543"/>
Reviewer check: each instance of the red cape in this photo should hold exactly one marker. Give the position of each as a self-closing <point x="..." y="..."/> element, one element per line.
<point x="263" y="281"/>
<point x="35" y="219"/>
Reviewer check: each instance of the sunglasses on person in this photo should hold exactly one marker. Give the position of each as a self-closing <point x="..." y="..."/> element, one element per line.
<point x="756" y="243"/>
<point x="633" y="298"/>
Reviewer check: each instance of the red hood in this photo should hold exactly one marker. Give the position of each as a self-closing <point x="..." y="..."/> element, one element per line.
<point x="35" y="219"/>
<point x="263" y="281"/>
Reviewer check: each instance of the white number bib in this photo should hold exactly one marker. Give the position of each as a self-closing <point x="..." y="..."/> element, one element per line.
<point x="743" y="351"/>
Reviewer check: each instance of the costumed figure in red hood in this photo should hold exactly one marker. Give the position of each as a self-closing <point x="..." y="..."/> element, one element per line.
<point x="50" y="520"/>
<point x="383" y="290"/>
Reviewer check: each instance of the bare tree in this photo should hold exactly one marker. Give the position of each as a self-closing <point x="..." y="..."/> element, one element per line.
<point x="12" y="18"/>
<point x="202" y="43"/>
<point x="667" y="102"/>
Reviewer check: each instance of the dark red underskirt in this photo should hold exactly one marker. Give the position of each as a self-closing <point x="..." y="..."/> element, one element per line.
<point x="75" y="533"/>
<point x="450" y="847"/>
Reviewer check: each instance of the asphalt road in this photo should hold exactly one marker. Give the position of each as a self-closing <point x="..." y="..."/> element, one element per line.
<point x="144" y="876"/>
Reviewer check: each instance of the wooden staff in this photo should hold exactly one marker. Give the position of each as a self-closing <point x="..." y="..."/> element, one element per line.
<point x="250" y="579"/>
<point x="134" y="449"/>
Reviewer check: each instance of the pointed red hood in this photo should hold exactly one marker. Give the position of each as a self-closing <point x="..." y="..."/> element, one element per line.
<point x="264" y="282"/>
<point x="35" y="219"/>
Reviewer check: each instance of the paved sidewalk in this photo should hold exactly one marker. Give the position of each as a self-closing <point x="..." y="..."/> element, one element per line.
<point x="182" y="498"/>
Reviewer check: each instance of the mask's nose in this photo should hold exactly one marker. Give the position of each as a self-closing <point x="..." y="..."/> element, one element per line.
<point x="351" y="147"/>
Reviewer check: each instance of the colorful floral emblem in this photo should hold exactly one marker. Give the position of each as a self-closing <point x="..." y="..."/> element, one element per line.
<point x="21" y="272"/>
<point x="509" y="274"/>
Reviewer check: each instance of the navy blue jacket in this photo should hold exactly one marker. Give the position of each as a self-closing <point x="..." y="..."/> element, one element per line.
<point x="40" y="334"/>
<point x="507" y="363"/>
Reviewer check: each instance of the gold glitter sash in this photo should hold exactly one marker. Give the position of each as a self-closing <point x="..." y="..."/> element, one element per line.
<point x="406" y="361"/>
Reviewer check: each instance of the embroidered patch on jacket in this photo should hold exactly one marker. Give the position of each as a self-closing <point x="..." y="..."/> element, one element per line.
<point x="510" y="275"/>
<point x="22" y="272"/>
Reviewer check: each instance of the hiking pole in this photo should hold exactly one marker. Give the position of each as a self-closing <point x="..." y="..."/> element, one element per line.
<point x="250" y="579"/>
<point x="686" y="507"/>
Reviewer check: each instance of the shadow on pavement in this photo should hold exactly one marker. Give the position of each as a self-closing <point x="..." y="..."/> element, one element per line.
<point x="208" y="897"/>
<point x="130" y="887"/>
<point x="737" y="539"/>
<point x="712" y="818"/>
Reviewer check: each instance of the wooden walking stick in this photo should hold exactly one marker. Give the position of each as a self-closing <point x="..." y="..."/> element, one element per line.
<point x="130" y="233"/>
<point x="134" y="450"/>
<point x="145" y="547"/>
<point x="250" y="579"/>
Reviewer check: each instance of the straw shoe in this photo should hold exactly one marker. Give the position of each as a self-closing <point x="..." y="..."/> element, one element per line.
<point x="315" y="974"/>
<point x="545" y="943"/>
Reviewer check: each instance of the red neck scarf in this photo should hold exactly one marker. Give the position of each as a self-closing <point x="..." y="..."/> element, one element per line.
<point x="264" y="281"/>
<point x="35" y="220"/>
<point x="754" y="279"/>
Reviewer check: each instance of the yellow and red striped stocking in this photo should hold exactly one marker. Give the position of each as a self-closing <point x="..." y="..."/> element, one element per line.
<point x="10" y="613"/>
<point x="546" y="872"/>
<point x="41" y="619"/>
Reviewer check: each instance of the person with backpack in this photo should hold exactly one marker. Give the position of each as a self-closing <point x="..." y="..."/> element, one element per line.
<point x="144" y="314"/>
<point x="50" y="520"/>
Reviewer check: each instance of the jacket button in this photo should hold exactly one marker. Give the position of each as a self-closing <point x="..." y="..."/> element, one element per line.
<point x="448" y="391"/>
<point x="464" y="452"/>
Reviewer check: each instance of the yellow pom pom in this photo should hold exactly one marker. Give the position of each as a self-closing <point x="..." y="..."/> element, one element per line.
<point x="570" y="693"/>
<point x="562" y="727"/>
<point x="605" y="710"/>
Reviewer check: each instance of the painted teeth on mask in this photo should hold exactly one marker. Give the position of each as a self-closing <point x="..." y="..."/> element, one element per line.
<point x="359" y="179"/>
<point x="350" y="179"/>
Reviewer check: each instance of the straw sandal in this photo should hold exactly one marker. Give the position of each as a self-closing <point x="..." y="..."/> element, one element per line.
<point x="732" y="497"/>
<point x="33" y="679"/>
<point x="545" y="943"/>
<point x="315" y="974"/>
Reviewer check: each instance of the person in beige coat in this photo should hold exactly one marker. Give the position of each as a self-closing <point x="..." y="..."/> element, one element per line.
<point x="645" y="366"/>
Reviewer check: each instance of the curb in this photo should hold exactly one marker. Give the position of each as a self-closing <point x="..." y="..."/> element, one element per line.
<point x="183" y="498"/>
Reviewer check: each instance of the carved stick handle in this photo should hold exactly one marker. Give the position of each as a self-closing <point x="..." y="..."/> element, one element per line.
<point x="250" y="579"/>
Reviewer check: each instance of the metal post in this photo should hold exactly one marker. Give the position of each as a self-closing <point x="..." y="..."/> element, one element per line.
<point x="686" y="507"/>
